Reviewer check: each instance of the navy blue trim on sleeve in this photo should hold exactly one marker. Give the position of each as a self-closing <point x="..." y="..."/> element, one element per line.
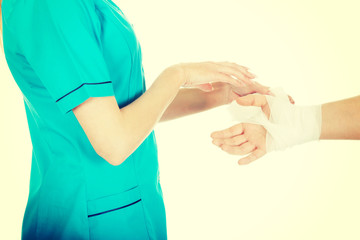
<point x="80" y="87"/>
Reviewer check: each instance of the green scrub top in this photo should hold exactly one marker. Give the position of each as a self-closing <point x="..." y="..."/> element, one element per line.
<point x="60" y="53"/>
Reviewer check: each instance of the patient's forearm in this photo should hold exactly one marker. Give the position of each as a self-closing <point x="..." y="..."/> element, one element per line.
<point x="341" y="119"/>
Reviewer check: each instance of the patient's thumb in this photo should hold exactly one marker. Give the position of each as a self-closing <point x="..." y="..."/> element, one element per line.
<point x="257" y="100"/>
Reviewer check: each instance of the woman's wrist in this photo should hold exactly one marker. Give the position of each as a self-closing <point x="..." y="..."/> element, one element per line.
<point x="177" y="74"/>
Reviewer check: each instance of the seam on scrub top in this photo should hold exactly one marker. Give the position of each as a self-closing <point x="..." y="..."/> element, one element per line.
<point x="145" y="223"/>
<point x="139" y="186"/>
<point x="128" y="205"/>
<point x="107" y="3"/>
<point x="80" y="87"/>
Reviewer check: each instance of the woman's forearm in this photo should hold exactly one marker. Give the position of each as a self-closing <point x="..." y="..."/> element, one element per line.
<point x="115" y="133"/>
<point x="341" y="119"/>
<point x="190" y="101"/>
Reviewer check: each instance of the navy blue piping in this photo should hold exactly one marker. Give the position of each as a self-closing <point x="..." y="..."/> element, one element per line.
<point x="80" y="87"/>
<point x="96" y="214"/>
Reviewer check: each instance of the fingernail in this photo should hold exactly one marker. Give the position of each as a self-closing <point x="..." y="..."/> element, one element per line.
<point x="250" y="71"/>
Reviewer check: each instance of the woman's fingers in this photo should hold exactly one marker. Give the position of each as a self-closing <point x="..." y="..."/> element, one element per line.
<point x="208" y="72"/>
<point x="245" y="70"/>
<point x="238" y="74"/>
<point x="259" y="88"/>
<point x="242" y="69"/>
<point x="225" y="78"/>
<point x="258" y="153"/>
<point x="229" y="132"/>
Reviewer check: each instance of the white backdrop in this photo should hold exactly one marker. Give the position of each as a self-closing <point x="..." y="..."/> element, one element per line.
<point x="309" y="47"/>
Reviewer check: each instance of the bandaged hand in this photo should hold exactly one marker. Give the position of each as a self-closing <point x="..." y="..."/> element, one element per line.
<point x="268" y="123"/>
<point x="242" y="139"/>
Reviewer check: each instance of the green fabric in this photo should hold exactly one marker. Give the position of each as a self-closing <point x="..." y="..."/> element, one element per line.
<point x="60" y="53"/>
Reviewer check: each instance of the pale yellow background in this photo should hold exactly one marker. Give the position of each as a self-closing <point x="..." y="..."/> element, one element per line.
<point x="310" y="48"/>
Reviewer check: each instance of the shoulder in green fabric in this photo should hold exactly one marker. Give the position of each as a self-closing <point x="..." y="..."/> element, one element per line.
<point x="60" y="40"/>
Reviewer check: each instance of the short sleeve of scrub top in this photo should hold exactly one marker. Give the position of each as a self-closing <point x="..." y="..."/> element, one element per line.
<point x="60" y="53"/>
<point x="64" y="50"/>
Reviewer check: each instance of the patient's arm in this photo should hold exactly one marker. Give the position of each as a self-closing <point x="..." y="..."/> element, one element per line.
<point x="339" y="120"/>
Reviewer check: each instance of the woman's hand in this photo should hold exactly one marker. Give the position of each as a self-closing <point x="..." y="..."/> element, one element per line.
<point x="254" y="87"/>
<point x="201" y="75"/>
<point x="223" y="93"/>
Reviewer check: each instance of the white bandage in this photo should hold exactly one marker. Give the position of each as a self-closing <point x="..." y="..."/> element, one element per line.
<point x="288" y="125"/>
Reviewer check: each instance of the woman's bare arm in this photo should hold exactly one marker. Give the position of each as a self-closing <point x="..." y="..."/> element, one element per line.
<point x="116" y="133"/>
